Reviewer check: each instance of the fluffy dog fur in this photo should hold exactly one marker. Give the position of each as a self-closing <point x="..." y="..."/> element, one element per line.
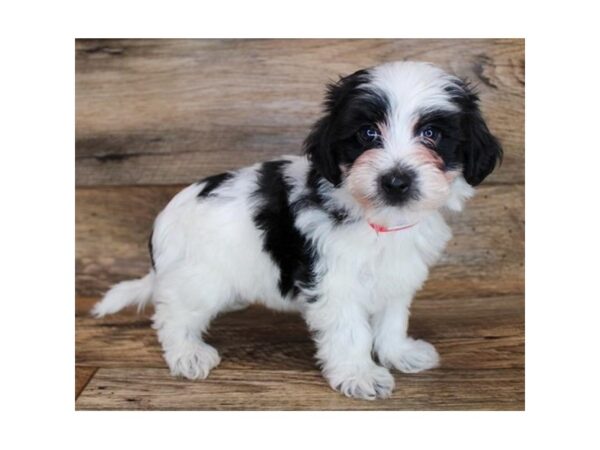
<point x="345" y="234"/>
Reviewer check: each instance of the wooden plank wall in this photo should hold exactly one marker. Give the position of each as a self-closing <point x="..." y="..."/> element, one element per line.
<point x="170" y="111"/>
<point x="154" y="115"/>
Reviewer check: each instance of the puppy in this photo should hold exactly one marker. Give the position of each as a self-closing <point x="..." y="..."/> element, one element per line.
<point x="344" y="234"/>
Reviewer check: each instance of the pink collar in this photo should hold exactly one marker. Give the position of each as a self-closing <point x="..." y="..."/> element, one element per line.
<point x="382" y="229"/>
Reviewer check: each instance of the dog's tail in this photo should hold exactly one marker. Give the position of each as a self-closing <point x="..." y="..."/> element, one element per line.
<point x="132" y="292"/>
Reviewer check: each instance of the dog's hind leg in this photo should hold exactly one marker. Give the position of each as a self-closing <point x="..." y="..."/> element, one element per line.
<point x="183" y="312"/>
<point x="180" y="334"/>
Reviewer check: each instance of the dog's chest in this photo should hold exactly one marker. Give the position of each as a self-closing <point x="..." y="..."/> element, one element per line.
<point x="393" y="263"/>
<point x="376" y="267"/>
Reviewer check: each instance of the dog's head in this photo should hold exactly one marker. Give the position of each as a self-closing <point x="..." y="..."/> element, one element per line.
<point x="403" y="139"/>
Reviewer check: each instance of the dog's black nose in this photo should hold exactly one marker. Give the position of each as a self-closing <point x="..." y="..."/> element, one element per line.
<point x="397" y="186"/>
<point x="396" y="183"/>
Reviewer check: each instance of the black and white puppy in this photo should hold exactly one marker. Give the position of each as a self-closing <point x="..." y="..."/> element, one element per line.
<point x="345" y="234"/>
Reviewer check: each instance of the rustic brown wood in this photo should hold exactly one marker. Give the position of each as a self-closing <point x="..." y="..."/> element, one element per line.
<point x="153" y="115"/>
<point x="267" y="361"/>
<point x="112" y="227"/>
<point x="470" y="333"/>
<point x="171" y="111"/>
<point x="259" y="389"/>
<point x="83" y="375"/>
<point x="484" y="258"/>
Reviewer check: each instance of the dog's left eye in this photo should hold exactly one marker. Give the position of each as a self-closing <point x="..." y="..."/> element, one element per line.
<point x="369" y="135"/>
<point x="431" y="134"/>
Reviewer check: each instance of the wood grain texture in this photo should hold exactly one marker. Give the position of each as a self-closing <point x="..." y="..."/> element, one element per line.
<point x="155" y="115"/>
<point x="83" y="375"/>
<point x="484" y="258"/>
<point x="257" y="389"/>
<point x="267" y="362"/>
<point x="483" y="333"/>
<point x="171" y="111"/>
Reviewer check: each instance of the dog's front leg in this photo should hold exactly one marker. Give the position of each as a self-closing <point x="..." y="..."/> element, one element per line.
<point x="393" y="346"/>
<point x="344" y="342"/>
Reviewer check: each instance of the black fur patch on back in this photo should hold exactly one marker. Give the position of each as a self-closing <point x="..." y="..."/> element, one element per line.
<point x="213" y="182"/>
<point x="288" y="248"/>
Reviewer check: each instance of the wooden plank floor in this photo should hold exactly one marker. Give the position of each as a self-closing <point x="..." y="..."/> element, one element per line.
<point x="154" y="115"/>
<point x="267" y="362"/>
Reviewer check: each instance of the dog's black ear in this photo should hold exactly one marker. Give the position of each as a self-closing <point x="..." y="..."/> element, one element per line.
<point x="318" y="148"/>
<point x="319" y="145"/>
<point x="480" y="149"/>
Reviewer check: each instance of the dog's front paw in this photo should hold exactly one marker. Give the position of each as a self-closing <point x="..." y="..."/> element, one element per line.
<point x="192" y="360"/>
<point x="366" y="383"/>
<point x="411" y="356"/>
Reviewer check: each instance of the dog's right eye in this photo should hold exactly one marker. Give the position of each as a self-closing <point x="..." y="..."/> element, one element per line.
<point x="369" y="135"/>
